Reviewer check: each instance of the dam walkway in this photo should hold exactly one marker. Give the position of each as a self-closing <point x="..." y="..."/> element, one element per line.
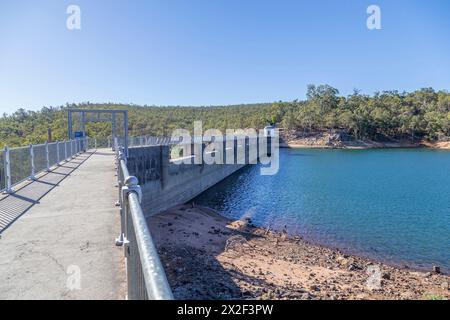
<point x="58" y="232"/>
<point x="62" y="235"/>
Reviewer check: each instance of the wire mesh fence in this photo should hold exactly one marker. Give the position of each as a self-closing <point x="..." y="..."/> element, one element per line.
<point x="102" y="143"/>
<point x="73" y="147"/>
<point x="61" y="155"/>
<point x="20" y="164"/>
<point x="53" y="152"/>
<point x="40" y="158"/>
<point x="2" y="170"/>
<point x="141" y="141"/>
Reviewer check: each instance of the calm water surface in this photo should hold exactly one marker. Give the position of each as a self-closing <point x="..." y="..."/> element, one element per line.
<point x="391" y="205"/>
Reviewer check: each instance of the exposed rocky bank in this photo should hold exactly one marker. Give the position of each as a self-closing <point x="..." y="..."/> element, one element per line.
<point x="338" y="139"/>
<point x="207" y="256"/>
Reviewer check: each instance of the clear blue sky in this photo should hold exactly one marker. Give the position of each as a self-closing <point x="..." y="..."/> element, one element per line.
<point x="209" y="52"/>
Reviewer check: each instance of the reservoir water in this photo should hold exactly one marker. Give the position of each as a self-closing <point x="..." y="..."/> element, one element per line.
<point x="391" y="205"/>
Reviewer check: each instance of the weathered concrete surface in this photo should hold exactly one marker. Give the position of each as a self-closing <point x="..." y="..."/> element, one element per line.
<point x="166" y="184"/>
<point x="71" y="228"/>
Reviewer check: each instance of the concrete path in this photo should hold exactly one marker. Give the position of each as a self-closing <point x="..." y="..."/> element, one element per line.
<point x="61" y="244"/>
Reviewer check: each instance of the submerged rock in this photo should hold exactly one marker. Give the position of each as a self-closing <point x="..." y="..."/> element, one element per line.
<point x="436" y="269"/>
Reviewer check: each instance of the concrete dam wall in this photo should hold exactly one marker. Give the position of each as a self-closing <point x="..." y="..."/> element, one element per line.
<point x="166" y="184"/>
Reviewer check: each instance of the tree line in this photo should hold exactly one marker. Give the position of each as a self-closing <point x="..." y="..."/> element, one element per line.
<point x="387" y="115"/>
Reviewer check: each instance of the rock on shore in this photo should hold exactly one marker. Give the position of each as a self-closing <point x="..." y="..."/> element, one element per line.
<point x="207" y="256"/>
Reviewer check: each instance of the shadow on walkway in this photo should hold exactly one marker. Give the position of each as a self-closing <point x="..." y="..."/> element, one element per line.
<point x="14" y="205"/>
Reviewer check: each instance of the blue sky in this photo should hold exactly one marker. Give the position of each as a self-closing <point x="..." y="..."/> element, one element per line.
<point x="210" y="52"/>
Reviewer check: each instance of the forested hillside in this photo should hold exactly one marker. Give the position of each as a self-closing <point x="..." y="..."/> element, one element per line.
<point x="423" y="114"/>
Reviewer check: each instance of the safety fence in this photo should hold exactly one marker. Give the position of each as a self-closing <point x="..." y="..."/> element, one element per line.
<point x="24" y="163"/>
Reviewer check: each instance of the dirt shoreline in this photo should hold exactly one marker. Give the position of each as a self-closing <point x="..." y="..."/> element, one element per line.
<point x="207" y="256"/>
<point x="367" y="145"/>
<point x="340" y="140"/>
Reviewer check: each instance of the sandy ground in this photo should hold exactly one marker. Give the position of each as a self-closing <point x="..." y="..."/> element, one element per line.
<point x="437" y="145"/>
<point x="359" y="144"/>
<point x="207" y="256"/>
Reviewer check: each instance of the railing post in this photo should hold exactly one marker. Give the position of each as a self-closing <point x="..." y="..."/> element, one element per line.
<point x="57" y="152"/>
<point x="122" y="198"/>
<point x="71" y="148"/>
<point x="65" y="149"/>
<point x="33" y="172"/>
<point x="130" y="184"/>
<point x="95" y="143"/>
<point x="122" y="211"/>
<point x="7" y="171"/>
<point x="116" y="144"/>
<point x="47" y="158"/>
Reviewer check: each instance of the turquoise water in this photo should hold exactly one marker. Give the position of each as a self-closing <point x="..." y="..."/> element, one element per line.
<point x="392" y="205"/>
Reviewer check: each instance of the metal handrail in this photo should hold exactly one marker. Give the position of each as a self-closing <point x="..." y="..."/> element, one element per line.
<point x="145" y="274"/>
<point x="155" y="278"/>
<point x="144" y="141"/>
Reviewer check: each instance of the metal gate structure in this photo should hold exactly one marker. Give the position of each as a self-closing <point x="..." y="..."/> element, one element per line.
<point x="99" y="118"/>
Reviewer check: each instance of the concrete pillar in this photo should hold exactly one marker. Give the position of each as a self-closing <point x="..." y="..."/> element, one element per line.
<point x="230" y="154"/>
<point x="246" y="150"/>
<point x="236" y="150"/>
<point x="224" y="152"/>
<point x="164" y="165"/>
<point x="198" y="152"/>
